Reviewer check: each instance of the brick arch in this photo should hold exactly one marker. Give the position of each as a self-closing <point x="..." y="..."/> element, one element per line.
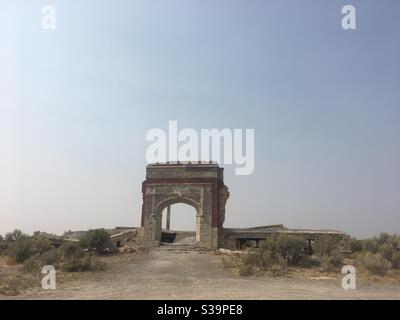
<point x="174" y="200"/>
<point x="199" y="185"/>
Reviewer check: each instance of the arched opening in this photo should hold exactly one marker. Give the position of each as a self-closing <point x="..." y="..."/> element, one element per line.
<point x="200" y="185"/>
<point x="179" y="224"/>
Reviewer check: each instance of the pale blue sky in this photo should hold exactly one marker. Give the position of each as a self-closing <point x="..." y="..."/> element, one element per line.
<point x="76" y="104"/>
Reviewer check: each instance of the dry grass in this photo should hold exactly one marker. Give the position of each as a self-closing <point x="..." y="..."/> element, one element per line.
<point x="12" y="280"/>
<point x="162" y="274"/>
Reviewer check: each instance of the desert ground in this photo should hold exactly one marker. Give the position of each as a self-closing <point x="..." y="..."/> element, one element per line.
<point x="180" y="273"/>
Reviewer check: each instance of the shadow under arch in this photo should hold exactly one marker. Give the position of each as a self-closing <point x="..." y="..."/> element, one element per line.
<point x="169" y="202"/>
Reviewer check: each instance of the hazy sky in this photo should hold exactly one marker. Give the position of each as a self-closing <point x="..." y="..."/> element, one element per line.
<point x="76" y="103"/>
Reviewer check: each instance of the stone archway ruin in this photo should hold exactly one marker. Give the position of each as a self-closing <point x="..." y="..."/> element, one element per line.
<point x="199" y="185"/>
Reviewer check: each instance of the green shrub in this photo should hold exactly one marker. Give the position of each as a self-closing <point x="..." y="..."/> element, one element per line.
<point x="97" y="240"/>
<point x="267" y="258"/>
<point x="228" y="262"/>
<point x="324" y="247"/>
<point x="375" y="262"/>
<point x="326" y="264"/>
<point x="385" y="238"/>
<point x="71" y="250"/>
<point x="41" y="245"/>
<point x="371" y="245"/>
<point x="377" y="254"/>
<point x="387" y="251"/>
<point x="356" y="245"/>
<point x="337" y="258"/>
<point x="274" y="255"/>
<point x="50" y="257"/>
<point x="35" y="263"/>
<point x="252" y="258"/>
<point x="3" y="247"/>
<point x="331" y="262"/>
<point x="15" y="235"/>
<point x="75" y="264"/>
<point x="291" y="248"/>
<point x="19" y="247"/>
<point x="69" y="257"/>
<point x="391" y="253"/>
<point x="279" y="266"/>
<point x="395" y="260"/>
<point x="85" y="263"/>
<point x="388" y="246"/>
<point x="20" y="250"/>
<point x="73" y="258"/>
<point x="31" y="265"/>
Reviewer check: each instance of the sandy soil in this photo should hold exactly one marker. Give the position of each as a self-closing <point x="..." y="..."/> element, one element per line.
<point x="167" y="273"/>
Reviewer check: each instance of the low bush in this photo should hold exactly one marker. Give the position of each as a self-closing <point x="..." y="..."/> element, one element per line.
<point x="73" y="258"/>
<point x="395" y="260"/>
<point x="50" y="257"/>
<point x="378" y="252"/>
<point x="371" y="245"/>
<point x="279" y="266"/>
<point x="98" y="240"/>
<point x="279" y="252"/>
<point x="71" y="250"/>
<point x="274" y="255"/>
<point x="25" y="247"/>
<point x="388" y="248"/>
<point x="69" y="257"/>
<point x="15" y="235"/>
<point x="31" y="265"/>
<point x="3" y="247"/>
<point x="75" y="265"/>
<point x="374" y="262"/>
<point x="391" y="252"/>
<point x="356" y="245"/>
<point x="36" y="251"/>
<point x="20" y="250"/>
<point x="290" y="248"/>
<point x="331" y="262"/>
<point x="324" y="247"/>
<point x="41" y="245"/>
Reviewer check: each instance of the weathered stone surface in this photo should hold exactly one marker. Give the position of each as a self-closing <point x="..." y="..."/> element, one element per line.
<point x="199" y="185"/>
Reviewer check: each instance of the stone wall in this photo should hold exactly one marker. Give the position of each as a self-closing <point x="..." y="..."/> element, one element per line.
<point x="198" y="185"/>
<point x="201" y="186"/>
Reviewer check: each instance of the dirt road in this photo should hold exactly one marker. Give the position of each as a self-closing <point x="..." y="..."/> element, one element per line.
<point x="170" y="273"/>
